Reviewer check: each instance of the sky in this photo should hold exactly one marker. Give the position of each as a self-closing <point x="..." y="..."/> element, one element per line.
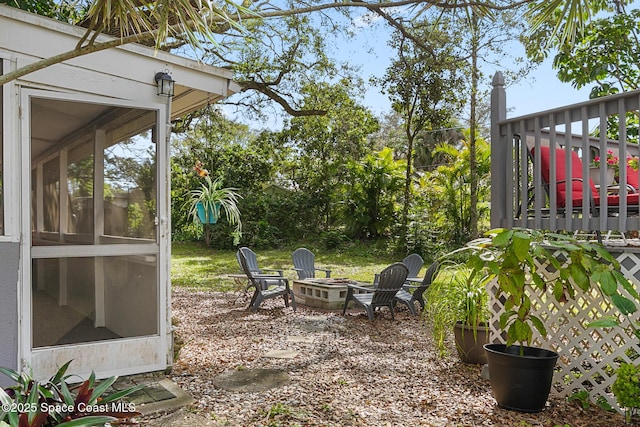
<point x="540" y="90"/>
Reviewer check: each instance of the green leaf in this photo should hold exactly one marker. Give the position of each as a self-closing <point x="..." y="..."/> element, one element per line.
<point x="628" y="286"/>
<point x="66" y="394"/>
<point x="537" y="323"/>
<point x="608" y="284"/>
<point x="521" y="243"/>
<point x="59" y="376"/>
<point x="580" y="277"/>
<point x="502" y="238"/>
<point x="122" y="393"/>
<point x="100" y="389"/>
<point x="5" y="399"/>
<point x="504" y="318"/>
<point x="88" y="421"/>
<point x="605" y="322"/>
<point x="521" y="331"/>
<point x="624" y="304"/>
<point x="15" y="376"/>
<point x="558" y="290"/>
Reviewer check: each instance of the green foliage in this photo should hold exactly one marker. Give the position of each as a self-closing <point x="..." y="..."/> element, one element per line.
<point x="61" y="10"/>
<point x="455" y="296"/>
<point x="333" y="239"/>
<point x="135" y="220"/>
<point x="610" y="286"/>
<point x="425" y="85"/>
<point x="213" y="198"/>
<point x="560" y="22"/>
<point x="606" y="55"/>
<point x="273" y="216"/>
<point x="371" y="195"/>
<point x="581" y="397"/>
<point x="321" y="147"/>
<point x="53" y="402"/>
<point x="611" y="45"/>
<point x="280" y="57"/>
<point x="626" y="387"/>
<point x="511" y="256"/>
<point x="440" y="217"/>
<point x="299" y="202"/>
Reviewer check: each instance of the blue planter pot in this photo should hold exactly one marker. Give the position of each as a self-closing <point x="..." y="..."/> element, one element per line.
<point x="212" y="218"/>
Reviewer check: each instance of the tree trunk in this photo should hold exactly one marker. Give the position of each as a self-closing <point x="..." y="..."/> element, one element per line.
<point x="407" y="191"/>
<point x="473" y="162"/>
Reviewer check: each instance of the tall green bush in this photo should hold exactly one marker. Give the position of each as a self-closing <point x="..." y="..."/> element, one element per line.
<point x="371" y="195"/>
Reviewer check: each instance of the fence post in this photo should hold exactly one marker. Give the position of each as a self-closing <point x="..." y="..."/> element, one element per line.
<point x="499" y="147"/>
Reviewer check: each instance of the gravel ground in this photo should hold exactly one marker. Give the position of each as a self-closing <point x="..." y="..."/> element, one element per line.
<point x="353" y="373"/>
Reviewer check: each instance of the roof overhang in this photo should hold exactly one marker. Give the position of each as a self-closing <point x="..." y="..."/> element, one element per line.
<point x="124" y="72"/>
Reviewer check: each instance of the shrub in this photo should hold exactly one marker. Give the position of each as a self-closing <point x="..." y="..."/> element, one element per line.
<point x="54" y="403"/>
<point x="626" y="387"/>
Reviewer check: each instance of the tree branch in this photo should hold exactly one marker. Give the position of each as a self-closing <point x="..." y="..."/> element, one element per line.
<point x="239" y="18"/>
<point x="265" y="90"/>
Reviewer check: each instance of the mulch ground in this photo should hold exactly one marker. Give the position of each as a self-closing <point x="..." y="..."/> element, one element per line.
<point x="351" y="372"/>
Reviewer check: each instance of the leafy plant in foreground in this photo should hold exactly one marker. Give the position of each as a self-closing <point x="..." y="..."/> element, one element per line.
<point x="514" y="258"/>
<point x="30" y="403"/>
<point x="626" y="387"/>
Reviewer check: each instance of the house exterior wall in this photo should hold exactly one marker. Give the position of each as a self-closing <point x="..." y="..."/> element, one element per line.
<point x="118" y="76"/>
<point x="9" y="262"/>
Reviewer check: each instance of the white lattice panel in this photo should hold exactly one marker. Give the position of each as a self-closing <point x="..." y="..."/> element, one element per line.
<point x="588" y="356"/>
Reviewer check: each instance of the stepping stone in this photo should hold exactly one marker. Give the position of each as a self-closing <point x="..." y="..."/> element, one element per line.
<point x="314" y="323"/>
<point x="251" y="380"/>
<point x="281" y="354"/>
<point x="316" y="318"/>
<point x="313" y="327"/>
<point x="300" y="339"/>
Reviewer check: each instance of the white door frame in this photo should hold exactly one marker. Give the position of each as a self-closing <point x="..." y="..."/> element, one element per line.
<point x="112" y="357"/>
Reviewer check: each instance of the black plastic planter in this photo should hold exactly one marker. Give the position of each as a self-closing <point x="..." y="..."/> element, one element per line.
<point x="521" y="383"/>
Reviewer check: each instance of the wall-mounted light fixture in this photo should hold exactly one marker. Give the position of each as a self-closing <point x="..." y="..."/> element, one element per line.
<point x="165" y="83"/>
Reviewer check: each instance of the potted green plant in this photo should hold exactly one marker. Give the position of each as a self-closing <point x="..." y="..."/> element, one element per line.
<point x="209" y="199"/>
<point x="521" y="375"/>
<point x="454" y="303"/>
<point x="471" y="331"/>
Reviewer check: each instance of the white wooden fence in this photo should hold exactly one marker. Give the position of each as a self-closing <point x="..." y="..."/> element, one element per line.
<point x="588" y="356"/>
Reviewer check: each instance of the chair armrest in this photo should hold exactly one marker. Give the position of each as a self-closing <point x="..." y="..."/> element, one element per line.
<point x="360" y="288"/>
<point x="269" y="276"/>
<point x="327" y="272"/>
<point x="280" y="272"/>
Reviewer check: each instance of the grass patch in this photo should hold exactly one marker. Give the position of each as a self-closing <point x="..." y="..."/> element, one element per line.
<point x="197" y="267"/>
